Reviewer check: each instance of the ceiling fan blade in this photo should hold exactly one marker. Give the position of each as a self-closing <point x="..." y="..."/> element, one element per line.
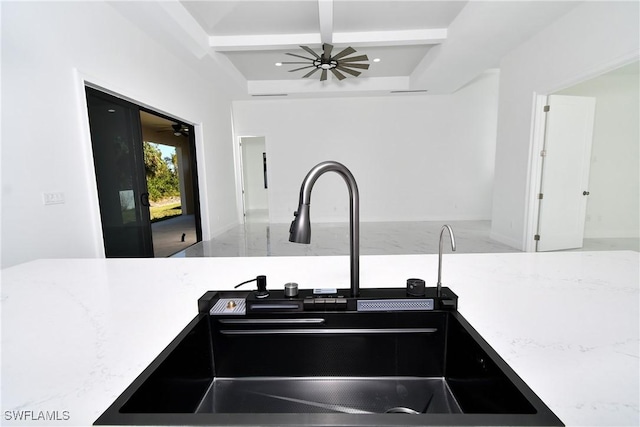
<point x="301" y="68"/>
<point x="338" y="74"/>
<point x="354" y="65"/>
<point x="345" y="52"/>
<point x="327" y="48"/>
<point x="323" y="76"/>
<point x="310" y="73"/>
<point x="299" y="56"/>
<point x="356" y="58"/>
<point x="308" y="49"/>
<point x="348" y="71"/>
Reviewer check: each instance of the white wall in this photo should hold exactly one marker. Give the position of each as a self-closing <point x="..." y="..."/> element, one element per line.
<point x="427" y="157"/>
<point x="45" y="140"/>
<point x="613" y="207"/>
<point x="255" y="195"/>
<point x="592" y="38"/>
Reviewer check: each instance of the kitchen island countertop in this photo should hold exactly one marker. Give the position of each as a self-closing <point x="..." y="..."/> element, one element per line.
<point x="77" y="332"/>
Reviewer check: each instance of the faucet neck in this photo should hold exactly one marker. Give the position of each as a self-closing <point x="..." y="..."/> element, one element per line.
<point x="354" y="212"/>
<point x="319" y="170"/>
<point x="453" y="247"/>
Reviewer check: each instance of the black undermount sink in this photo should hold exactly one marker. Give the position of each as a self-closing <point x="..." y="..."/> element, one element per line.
<point x="380" y="359"/>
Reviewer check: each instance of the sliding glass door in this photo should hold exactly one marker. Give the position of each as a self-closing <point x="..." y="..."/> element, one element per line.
<point x="116" y="138"/>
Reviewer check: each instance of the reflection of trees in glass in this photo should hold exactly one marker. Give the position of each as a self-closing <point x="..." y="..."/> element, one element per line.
<point x="122" y="159"/>
<point x="162" y="174"/>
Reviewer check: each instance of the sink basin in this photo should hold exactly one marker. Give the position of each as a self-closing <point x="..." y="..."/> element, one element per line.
<point x="282" y="363"/>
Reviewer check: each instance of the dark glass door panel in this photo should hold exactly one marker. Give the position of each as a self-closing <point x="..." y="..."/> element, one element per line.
<point x="116" y="140"/>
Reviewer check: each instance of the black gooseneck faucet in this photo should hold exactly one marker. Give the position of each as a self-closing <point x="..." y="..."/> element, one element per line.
<point x="300" y="230"/>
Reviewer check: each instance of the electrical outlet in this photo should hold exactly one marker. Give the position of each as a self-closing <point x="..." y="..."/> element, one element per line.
<point x="52" y="198"/>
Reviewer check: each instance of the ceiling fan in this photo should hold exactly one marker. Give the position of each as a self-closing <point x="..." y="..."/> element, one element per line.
<point x="177" y="129"/>
<point x="337" y="64"/>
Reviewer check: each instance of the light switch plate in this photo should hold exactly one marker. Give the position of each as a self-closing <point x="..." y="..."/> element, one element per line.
<point x="53" y="198"/>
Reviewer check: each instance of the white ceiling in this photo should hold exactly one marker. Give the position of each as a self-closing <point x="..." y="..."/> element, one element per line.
<point x="437" y="46"/>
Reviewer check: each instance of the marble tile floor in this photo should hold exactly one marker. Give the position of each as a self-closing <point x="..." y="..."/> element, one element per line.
<point x="376" y="238"/>
<point x="611" y="244"/>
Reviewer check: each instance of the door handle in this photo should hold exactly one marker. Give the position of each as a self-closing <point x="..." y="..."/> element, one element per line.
<point x="585" y="193"/>
<point x="144" y="199"/>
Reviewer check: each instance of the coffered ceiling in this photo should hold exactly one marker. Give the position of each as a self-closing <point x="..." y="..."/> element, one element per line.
<point x="411" y="46"/>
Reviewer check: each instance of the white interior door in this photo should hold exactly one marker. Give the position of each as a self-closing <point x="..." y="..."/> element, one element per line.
<point x="565" y="172"/>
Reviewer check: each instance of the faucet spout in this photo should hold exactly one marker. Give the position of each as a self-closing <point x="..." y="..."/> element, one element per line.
<point x="453" y="248"/>
<point x="300" y="230"/>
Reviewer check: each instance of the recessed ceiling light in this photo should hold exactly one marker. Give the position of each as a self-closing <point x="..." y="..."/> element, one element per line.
<point x="376" y="59"/>
<point x="111" y="110"/>
<point x="278" y="64"/>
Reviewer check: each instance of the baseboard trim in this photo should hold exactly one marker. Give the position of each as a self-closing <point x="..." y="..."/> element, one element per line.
<point x="509" y="241"/>
<point x="220" y="230"/>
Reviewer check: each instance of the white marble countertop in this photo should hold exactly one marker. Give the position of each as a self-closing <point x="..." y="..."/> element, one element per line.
<point x="76" y="333"/>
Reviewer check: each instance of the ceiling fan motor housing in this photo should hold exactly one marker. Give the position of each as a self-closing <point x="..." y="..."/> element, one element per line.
<point x="325" y="64"/>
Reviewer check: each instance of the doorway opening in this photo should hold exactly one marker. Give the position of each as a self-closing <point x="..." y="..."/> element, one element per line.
<point x="609" y="220"/>
<point x="255" y="198"/>
<point x="169" y="172"/>
<point x="134" y="177"/>
<point x="565" y="163"/>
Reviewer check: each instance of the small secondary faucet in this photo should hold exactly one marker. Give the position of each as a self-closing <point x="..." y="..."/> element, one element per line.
<point x="300" y="230"/>
<point x="453" y="248"/>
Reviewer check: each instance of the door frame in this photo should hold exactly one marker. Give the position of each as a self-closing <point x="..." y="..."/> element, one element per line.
<point x="242" y="141"/>
<point x="240" y="202"/>
<point x="83" y="80"/>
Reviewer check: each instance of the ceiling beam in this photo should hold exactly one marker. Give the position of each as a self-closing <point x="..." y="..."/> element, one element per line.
<point x="187" y="24"/>
<point x="364" y="38"/>
<point x="325" y="16"/>
<point x="392" y="38"/>
<point x="262" y="42"/>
